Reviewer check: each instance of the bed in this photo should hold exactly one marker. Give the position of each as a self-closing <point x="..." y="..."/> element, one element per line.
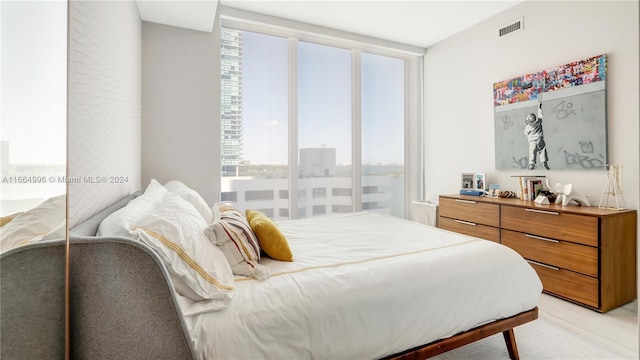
<point x="362" y="285"/>
<point x="366" y="286"/>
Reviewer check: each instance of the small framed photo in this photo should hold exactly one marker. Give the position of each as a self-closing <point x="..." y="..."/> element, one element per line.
<point x="467" y="181"/>
<point x="479" y="183"/>
<point x="494" y="191"/>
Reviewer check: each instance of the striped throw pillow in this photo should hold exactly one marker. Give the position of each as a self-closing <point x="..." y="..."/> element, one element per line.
<point x="230" y="230"/>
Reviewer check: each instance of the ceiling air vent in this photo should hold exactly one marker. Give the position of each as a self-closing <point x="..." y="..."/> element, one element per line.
<point x="513" y="27"/>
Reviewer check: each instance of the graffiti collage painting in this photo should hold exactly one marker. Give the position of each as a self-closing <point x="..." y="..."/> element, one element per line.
<point x="553" y="119"/>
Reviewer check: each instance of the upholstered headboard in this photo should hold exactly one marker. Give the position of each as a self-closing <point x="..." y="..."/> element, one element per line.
<point x="32" y="301"/>
<point x="121" y="297"/>
<point x="122" y="302"/>
<point x="90" y="226"/>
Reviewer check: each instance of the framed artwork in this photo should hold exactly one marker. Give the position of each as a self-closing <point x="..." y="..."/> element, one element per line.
<point x="553" y="119"/>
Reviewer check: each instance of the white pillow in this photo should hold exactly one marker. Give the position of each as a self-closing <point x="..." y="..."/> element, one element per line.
<point x="120" y="222"/>
<point x="192" y="197"/>
<point x="33" y="223"/>
<point x="199" y="270"/>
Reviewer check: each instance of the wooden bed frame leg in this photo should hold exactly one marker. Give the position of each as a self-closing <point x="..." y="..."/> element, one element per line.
<point x="510" y="341"/>
<point x="504" y="326"/>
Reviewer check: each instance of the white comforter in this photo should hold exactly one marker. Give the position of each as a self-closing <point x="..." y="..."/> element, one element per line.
<point x="363" y="286"/>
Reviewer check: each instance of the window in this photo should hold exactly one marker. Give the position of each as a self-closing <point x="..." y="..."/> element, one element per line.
<point x="371" y="205"/>
<point x="383" y="133"/>
<point x="318" y="124"/>
<point x="253" y="195"/>
<point x="341" y="209"/>
<point x="319" y="193"/>
<point x="324" y="132"/>
<point x="369" y="190"/>
<point x="229" y="196"/>
<point x="253" y="123"/>
<point x="319" y="209"/>
<point x="268" y="212"/>
<point x="33" y="96"/>
<point x="341" y="192"/>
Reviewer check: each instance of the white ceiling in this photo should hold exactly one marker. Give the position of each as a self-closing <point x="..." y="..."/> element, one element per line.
<point x="194" y="15"/>
<point x="419" y="22"/>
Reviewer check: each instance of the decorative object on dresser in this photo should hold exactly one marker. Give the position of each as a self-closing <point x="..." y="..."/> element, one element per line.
<point x="613" y="188"/>
<point x="565" y="194"/>
<point x="542" y="200"/>
<point x="529" y="186"/>
<point x="583" y="254"/>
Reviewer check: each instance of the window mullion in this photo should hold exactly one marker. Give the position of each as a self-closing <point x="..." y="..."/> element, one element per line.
<point x="293" y="128"/>
<point x="356" y="128"/>
<point x="414" y="182"/>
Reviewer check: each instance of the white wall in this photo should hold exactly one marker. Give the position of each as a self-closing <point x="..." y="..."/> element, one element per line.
<point x="460" y="71"/>
<point x="104" y="95"/>
<point x="181" y="107"/>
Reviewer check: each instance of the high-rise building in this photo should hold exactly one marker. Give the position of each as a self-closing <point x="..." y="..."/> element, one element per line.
<point x="317" y="162"/>
<point x="231" y="100"/>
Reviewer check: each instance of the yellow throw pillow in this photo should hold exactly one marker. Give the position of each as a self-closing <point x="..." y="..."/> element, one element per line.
<point x="271" y="240"/>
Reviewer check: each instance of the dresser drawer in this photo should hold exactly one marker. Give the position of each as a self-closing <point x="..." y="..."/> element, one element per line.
<point x="575" y="257"/>
<point x="580" y="288"/>
<point x="559" y="225"/>
<point x="469" y="228"/>
<point x="469" y="210"/>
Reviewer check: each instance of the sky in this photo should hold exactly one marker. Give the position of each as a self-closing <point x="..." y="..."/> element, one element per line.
<point x="324" y="102"/>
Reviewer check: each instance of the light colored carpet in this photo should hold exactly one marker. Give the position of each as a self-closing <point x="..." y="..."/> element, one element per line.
<point x="537" y="340"/>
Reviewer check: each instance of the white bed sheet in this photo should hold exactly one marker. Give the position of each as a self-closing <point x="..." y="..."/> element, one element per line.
<point x="363" y="286"/>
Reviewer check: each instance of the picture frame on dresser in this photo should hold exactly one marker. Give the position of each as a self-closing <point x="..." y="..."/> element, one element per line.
<point x="479" y="181"/>
<point x="467" y="181"/>
<point x="494" y="191"/>
<point x="473" y="181"/>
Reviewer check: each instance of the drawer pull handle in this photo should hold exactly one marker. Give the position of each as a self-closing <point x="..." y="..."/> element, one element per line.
<point x="544" y="265"/>
<point x="467" y="201"/>
<point x="543" y="211"/>
<point x="465" y="222"/>
<point x="541" y="238"/>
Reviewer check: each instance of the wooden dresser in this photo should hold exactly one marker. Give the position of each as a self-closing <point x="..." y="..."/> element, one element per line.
<point x="583" y="254"/>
